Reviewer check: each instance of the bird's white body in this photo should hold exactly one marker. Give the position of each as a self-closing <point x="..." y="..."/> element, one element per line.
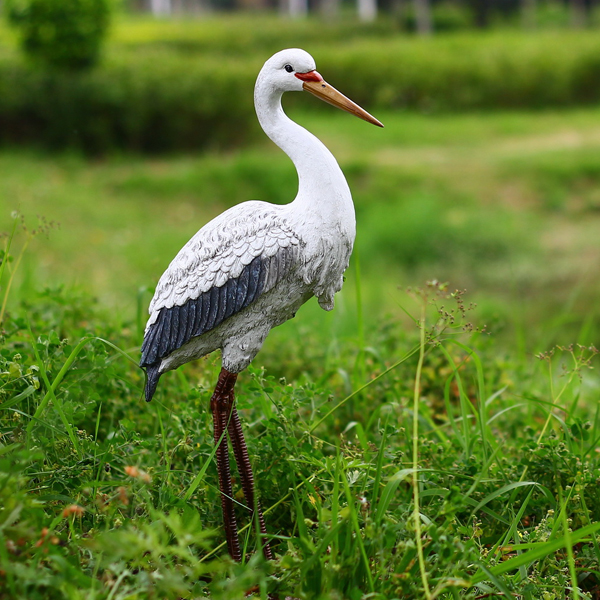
<point x="303" y="248"/>
<point x="251" y="269"/>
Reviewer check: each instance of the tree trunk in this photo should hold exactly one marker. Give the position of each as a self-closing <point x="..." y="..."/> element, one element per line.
<point x="397" y="11"/>
<point x="293" y="8"/>
<point x="330" y="9"/>
<point x="481" y="12"/>
<point x="529" y="13"/>
<point x="579" y="13"/>
<point x="160" y="8"/>
<point x="199" y="6"/>
<point x="423" y="17"/>
<point x="367" y="10"/>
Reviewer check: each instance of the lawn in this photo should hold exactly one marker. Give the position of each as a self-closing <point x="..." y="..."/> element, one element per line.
<point x="407" y="445"/>
<point x="502" y="204"/>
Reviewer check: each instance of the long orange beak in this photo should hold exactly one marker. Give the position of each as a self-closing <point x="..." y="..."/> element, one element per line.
<point x="316" y="85"/>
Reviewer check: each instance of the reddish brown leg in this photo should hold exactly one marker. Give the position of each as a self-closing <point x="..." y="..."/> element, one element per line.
<point x="226" y="418"/>
<point x="240" y="451"/>
<point x="221" y="406"/>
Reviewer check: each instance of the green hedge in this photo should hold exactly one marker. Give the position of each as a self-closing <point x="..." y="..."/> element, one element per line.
<point x="151" y="98"/>
<point x="503" y="70"/>
<point x="65" y="35"/>
<point x="151" y="103"/>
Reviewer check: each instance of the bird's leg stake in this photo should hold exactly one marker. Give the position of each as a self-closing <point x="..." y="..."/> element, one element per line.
<point x="220" y="404"/>
<point x="226" y="418"/>
<point x="243" y="462"/>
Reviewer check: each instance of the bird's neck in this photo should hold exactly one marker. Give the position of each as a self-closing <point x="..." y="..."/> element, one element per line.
<point x="322" y="187"/>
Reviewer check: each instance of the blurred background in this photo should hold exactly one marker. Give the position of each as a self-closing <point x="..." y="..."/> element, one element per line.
<point x="124" y="127"/>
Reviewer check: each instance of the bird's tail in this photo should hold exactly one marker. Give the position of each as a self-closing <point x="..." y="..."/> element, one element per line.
<point x="152" y="376"/>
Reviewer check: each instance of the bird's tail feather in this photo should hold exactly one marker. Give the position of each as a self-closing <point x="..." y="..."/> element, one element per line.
<point x="152" y="376"/>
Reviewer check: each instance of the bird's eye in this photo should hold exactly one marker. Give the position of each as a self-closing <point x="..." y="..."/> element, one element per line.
<point x="288" y="68"/>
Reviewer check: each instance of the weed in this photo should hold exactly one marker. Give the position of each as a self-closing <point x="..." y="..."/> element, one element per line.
<point x="6" y="258"/>
<point x="396" y="456"/>
<point x="462" y="490"/>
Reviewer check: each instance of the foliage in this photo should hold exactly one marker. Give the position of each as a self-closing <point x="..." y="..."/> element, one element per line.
<point x="100" y="496"/>
<point x="157" y="95"/>
<point x="105" y="497"/>
<point x="454" y="476"/>
<point x="154" y="102"/>
<point x="503" y="204"/>
<point x="66" y="34"/>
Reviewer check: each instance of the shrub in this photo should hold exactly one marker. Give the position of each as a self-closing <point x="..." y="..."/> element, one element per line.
<point x="66" y="34"/>
<point x="152" y="103"/>
<point x="506" y="70"/>
<point x="153" y="98"/>
<point x="445" y="16"/>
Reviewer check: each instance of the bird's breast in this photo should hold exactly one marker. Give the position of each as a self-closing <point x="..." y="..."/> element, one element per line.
<point x="326" y="248"/>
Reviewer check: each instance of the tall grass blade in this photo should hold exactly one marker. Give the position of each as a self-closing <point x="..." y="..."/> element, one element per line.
<point x="388" y="493"/>
<point x="538" y="552"/>
<point x="51" y="395"/>
<point x="415" y="456"/>
<point x="358" y="533"/>
<point x="3" y="266"/>
<point x="496" y="581"/>
<point x="363" y="387"/>
<point x="502" y="490"/>
<point x="200" y="475"/>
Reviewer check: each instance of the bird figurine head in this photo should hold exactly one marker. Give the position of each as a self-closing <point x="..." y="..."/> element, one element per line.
<point x="294" y="70"/>
<point x="281" y="70"/>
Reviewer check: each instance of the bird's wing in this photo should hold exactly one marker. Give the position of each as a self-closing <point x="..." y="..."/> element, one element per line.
<point x="226" y="266"/>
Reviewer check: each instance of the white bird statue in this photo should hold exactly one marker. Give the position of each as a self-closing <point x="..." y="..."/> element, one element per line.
<point x="252" y="267"/>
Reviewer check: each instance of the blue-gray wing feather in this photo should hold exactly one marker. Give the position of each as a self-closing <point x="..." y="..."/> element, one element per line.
<point x="224" y="268"/>
<point x="177" y="325"/>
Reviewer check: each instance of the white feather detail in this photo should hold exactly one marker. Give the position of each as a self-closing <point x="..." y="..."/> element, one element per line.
<point x="221" y="250"/>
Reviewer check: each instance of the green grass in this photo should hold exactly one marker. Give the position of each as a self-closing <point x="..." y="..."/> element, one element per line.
<point x="501" y="452"/>
<point x="394" y="459"/>
<point x="503" y="204"/>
